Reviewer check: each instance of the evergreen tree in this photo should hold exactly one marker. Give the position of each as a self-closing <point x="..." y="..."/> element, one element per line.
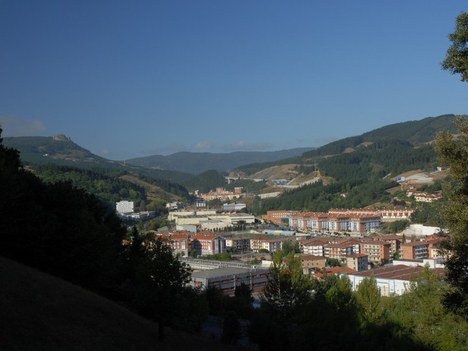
<point x="369" y="300"/>
<point x="161" y="283"/>
<point x="456" y="60"/>
<point x="453" y="152"/>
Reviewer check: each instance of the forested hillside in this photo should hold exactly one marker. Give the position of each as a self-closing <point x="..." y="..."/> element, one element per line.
<point x="58" y="158"/>
<point x="359" y="170"/>
<point x="414" y="132"/>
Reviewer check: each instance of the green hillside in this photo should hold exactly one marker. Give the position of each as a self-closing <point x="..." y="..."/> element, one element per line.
<point x="360" y="169"/>
<point x="62" y="151"/>
<point x="59" y="159"/>
<point x="415" y="132"/>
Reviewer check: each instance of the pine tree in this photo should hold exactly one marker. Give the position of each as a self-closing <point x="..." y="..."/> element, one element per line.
<point x="453" y="152"/>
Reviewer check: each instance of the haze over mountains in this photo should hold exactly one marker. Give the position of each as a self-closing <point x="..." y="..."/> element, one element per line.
<point x="375" y="157"/>
<point x="62" y="150"/>
<point x="197" y="162"/>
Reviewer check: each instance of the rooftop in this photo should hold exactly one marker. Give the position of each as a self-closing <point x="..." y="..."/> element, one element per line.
<point x="399" y="272"/>
<point x="223" y="271"/>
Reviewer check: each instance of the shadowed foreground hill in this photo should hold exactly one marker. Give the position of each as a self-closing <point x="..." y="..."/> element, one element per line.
<point x="41" y="312"/>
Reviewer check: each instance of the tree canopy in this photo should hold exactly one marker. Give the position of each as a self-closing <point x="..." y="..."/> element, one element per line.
<point x="453" y="153"/>
<point x="456" y="60"/>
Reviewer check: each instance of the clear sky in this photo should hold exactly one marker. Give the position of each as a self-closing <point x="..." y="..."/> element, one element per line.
<point x="134" y="78"/>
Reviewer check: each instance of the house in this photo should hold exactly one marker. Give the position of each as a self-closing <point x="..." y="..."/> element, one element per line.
<point x="427" y="197"/>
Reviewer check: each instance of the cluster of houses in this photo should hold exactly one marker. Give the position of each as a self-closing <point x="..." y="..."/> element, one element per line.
<point x="376" y="250"/>
<point x="359" y="221"/>
<point x="421" y="196"/>
<point x="222" y="194"/>
<point x="355" y="256"/>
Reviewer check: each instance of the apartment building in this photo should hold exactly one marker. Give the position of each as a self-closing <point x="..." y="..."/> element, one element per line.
<point x="416" y="250"/>
<point x="378" y="252"/>
<point x="278" y="217"/>
<point x="357" y="262"/>
<point x="395" y="242"/>
<point x="257" y="244"/>
<point x="314" y="247"/>
<point x="339" y="250"/>
<point x="336" y="222"/>
<point x="311" y="263"/>
<point x="396" y="214"/>
<point x="208" y="244"/>
<point x="237" y="244"/>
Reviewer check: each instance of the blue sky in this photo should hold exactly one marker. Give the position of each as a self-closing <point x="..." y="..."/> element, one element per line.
<point x="134" y="78"/>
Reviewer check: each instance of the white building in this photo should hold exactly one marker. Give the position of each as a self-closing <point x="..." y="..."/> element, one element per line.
<point x="421" y="230"/>
<point x="124" y="207"/>
<point x="391" y="280"/>
<point x="233" y="207"/>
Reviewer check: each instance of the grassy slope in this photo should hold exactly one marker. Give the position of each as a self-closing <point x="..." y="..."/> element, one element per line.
<point x="41" y="312"/>
<point x="152" y="191"/>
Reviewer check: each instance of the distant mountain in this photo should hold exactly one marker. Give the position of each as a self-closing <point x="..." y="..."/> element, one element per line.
<point x="414" y="132"/>
<point x="61" y="150"/>
<point x="93" y="173"/>
<point x="198" y="162"/>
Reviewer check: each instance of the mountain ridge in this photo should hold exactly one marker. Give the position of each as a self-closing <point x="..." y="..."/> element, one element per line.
<point x="199" y="162"/>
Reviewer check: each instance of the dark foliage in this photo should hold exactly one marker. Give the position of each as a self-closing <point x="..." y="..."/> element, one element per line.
<point x="206" y="181"/>
<point x="456" y="60"/>
<point x="57" y="228"/>
<point x="105" y="185"/>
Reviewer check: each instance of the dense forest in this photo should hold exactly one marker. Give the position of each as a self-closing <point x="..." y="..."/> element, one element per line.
<point x="106" y="185"/>
<point x="317" y="197"/>
<point x="358" y="171"/>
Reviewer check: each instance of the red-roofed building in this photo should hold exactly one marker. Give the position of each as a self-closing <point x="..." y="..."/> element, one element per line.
<point x="391" y="280"/>
<point x="313" y="247"/>
<point x="257" y="244"/>
<point x="208" y="244"/>
<point x="357" y="262"/>
<point x="416" y="250"/>
<point x="312" y="263"/>
<point x="339" y="251"/>
<point x="278" y="217"/>
<point x="378" y="251"/>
